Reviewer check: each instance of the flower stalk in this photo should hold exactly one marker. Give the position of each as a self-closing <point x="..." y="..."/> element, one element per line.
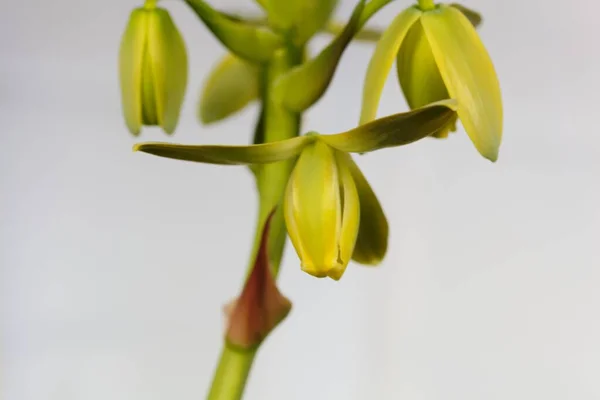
<point x="278" y="123"/>
<point x="426" y="5"/>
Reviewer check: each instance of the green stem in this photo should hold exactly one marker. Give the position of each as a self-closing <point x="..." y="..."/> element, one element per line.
<point x="278" y="124"/>
<point x="371" y="8"/>
<point x="426" y="5"/>
<point x="149" y="4"/>
<point x="231" y="375"/>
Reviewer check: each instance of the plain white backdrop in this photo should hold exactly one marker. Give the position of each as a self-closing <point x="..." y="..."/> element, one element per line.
<point x="115" y="265"/>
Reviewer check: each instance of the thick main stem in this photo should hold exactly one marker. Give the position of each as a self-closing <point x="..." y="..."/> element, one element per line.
<point x="278" y="124"/>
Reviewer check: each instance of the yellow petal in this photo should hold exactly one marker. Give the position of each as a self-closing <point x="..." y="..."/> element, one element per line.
<point x="418" y="73"/>
<point x="469" y="75"/>
<point x="312" y="209"/>
<point x="230" y="87"/>
<point x="382" y="60"/>
<point x="350" y="215"/>
<point x="169" y="67"/>
<point x="131" y="55"/>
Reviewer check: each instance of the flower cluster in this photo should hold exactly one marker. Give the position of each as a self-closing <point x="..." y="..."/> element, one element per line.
<point x="331" y="213"/>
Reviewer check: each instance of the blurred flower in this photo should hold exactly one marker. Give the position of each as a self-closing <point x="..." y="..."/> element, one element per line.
<point x="153" y="70"/>
<point x="439" y="55"/>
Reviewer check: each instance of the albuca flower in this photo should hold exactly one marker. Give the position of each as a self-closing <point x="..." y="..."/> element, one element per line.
<point x="330" y="210"/>
<point x="439" y="55"/>
<point x="153" y="70"/>
<point x="322" y="210"/>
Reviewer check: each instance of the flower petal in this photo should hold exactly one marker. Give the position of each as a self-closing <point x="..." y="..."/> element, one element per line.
<point x="372" y="241"/>
<point x="469" y="75"/>
<point x="382" y="60"/>
<point x="304" y="85"/>
<point x="418" y="73"/>
<point x="131" y="55"/>
<point x="230" y="87"/>
<point x="228" y="155"/>
<point x="168" y="58"/>
<point x="350" y="214"/>
<point x="312" y="210"/>
<point x="395" y="130"/>
<point x="246" y="40"/>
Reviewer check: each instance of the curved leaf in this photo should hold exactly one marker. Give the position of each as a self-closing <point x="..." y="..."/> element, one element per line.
<point x="372" y="241"/>
<point x="230" y="87"/>
<point x="305" y="84"/>
<point x="469" y="75"/>
<point x="382" y="60"/>
<point x="248" y="41"/>
<point x="395" y="130"/>
<point x="228" y="155"/>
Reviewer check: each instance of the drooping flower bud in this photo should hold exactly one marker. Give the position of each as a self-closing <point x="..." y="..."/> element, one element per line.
<point x="440" y="55"/>
<point x="322" y="210"/>
<point x="153" y="70"/>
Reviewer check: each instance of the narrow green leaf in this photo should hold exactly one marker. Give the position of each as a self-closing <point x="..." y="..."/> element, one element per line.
<point x="230" y="87"/>
<point x="471" y="15"/>
<point x="246" y="40"/>
<point x="229" y="155"/>
<point x="395" y="130"/>
<point x="469" y="75"/>
<point x="372" y="241"/>
<point x="304" y="85"/>
<point x="382" y="61"/>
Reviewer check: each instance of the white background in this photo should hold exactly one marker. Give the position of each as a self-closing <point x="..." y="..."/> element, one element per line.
<point x="115" y="265"/>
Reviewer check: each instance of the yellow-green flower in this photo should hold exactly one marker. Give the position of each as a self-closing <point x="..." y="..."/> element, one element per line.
<point x="153" y="70"/>
<point x="439" y="55"/>
<point x="322" y="211"/>
<point x="332" y="214"/>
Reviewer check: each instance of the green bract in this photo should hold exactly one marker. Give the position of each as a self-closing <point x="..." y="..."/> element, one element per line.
<point x="153" y="70"/>
<point x="439" y="55"/>
<point x="324" y="175"/>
